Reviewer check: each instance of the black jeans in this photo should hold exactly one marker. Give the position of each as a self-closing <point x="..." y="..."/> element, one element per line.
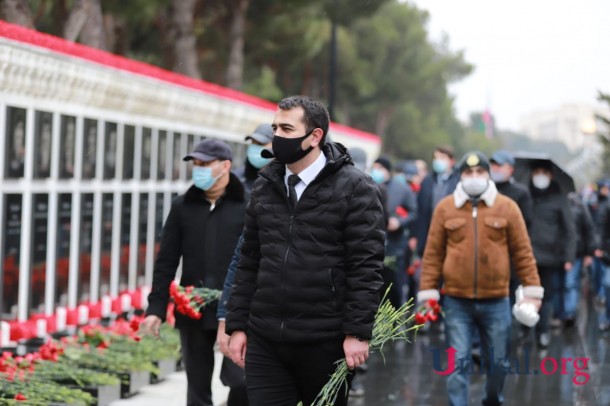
<point x="280" y="374"/>
<point x="198" y="359"/>
<point x="547" y="276"/>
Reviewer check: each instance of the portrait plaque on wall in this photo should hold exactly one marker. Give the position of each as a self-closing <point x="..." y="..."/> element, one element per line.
<point x="67" y="147"/>
<point x="161" y="155"/>
<point x="64" y="225"/>
<point x="89" y="149"/>
<point x="40" y="223"/>
<point x="129" y="142"/>
<point x="86" y="238"/>
<point x="15" y="143"/>
<point x="11" y="254"/>
<point x="146" y="153"/>
<point x="106" y="241"/>
<point x="42" y="146"/>
<point x="110" y="150"/>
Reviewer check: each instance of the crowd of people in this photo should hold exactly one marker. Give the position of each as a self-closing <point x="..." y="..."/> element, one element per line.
<point x="304" y="239"/>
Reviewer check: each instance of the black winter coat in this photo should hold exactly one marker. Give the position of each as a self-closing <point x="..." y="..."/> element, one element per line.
<point x="552" y="232"/>
<point x="586" y="241"/>
<point x="311" y="275"/>
<point x="205" y="241"/>
<point x="520" y="195"/>
<point x="425" y="206"/>
<point x="604" y="230"/>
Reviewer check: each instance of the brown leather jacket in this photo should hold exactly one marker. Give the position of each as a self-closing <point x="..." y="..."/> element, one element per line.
<point x="472" y="248"/>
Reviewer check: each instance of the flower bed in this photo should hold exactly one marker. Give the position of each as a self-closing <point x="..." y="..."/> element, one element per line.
<point x="93" y="367"/>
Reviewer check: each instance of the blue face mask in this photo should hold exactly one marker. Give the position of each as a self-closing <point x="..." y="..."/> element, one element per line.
<point x="203" y="178"/>
<point x="440" y="166"/>
<point x="254" y="156"/>
<point x="401" y="177"/>
<point x="378" y="176"/>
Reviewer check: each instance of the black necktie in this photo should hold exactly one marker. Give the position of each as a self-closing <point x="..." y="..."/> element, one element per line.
<point x="292" y="194"/>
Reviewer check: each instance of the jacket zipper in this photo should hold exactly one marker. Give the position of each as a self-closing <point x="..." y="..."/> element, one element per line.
<point x="291" y="221"/>
<point x="476" y="246"/>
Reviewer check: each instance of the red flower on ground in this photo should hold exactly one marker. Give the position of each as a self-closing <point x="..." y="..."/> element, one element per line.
<point x="20" y="396"/>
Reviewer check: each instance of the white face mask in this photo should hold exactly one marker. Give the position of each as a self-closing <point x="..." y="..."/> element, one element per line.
<point x="541" y="181"/>
<point x="474" y="186"/>
<point x="499" y="176"/>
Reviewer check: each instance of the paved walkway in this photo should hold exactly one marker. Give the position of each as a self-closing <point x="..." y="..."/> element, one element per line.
<point x="172" y="391"/>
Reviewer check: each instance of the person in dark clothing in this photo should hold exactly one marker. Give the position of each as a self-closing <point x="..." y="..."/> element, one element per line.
<point x="232" y="375"/>
<point x="413" y="179"/>
<point x="438" y="184"/>
<point x="566" y="302"/>
<point x="202" y="229"/>
<point x="502" y="169"/>
<point x="603" y="255"/>
<point x="600" y="202"/>
<point x="553" y="236"/>
<point x="308" y="281"/>
<point x="401" y="207"/>
<point x="259" y="140"/>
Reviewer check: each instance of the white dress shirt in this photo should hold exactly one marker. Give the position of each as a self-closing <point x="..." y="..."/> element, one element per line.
<point x="307" y="175"/>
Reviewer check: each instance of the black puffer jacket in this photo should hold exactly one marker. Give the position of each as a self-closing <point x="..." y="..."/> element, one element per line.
<point x="552" y="231"/>
<point x="314" y="274"/>
<point x="586" y="240"/>
<point x="205" y="241"/>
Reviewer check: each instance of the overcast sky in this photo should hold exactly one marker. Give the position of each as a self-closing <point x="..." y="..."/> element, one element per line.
<point x="529" y="55"/>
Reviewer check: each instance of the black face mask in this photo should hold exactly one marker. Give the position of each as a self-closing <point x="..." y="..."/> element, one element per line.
<point x="288" y="150"/>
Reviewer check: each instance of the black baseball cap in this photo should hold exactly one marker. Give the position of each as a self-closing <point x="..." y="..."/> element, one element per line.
<point x="502" y="158"/>
<point x="210" y="150"/>
<point x="262" y="134"/>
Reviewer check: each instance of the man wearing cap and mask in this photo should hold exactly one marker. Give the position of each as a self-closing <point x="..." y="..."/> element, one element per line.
<point x="308" y="282"/>
<point x="501" y="172"/>
<point x="231" y="375"/>
<point x="260" y="139"/>
<point x="474" y="235"/>
<point x="435" y="186"/>
<point x="202" y="229"/>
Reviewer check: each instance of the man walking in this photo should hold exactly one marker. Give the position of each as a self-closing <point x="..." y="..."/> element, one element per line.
<point x="308" y="282"/>
<point x="474" y="235"/>
<point x="202" y="229"/>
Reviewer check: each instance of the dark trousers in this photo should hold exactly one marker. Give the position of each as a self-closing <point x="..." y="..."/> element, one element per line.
<point x="279" y="374"/>
<point x="549" y="275"/>
<point x="391" y="280"/>
<point x="198" y="359"/>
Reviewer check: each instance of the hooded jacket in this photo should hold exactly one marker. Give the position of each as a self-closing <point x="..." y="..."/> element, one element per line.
<point x="204" y="239"/>
<point x="471" y="247"/>
<point x="312" y="274"/>
<point x="553" y="230"/>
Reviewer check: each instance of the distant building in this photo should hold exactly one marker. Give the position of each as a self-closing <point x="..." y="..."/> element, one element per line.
<point x="565" y="124"/>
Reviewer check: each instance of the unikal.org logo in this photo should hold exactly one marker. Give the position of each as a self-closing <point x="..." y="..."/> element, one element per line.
<point x="515" y="366"/>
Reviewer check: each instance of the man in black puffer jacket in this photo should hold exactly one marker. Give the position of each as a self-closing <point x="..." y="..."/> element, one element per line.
<point x="308" y="282"/>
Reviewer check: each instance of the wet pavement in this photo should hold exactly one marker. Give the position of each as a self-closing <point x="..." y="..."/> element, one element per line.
<point x="554" y="376"/>
<point x="407" y="376"/>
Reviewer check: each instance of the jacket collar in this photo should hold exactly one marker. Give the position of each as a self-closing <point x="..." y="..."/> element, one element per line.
<point x="233" y="191"/>
<point x="336" y="156"/>
<point x="460" y="197"/>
